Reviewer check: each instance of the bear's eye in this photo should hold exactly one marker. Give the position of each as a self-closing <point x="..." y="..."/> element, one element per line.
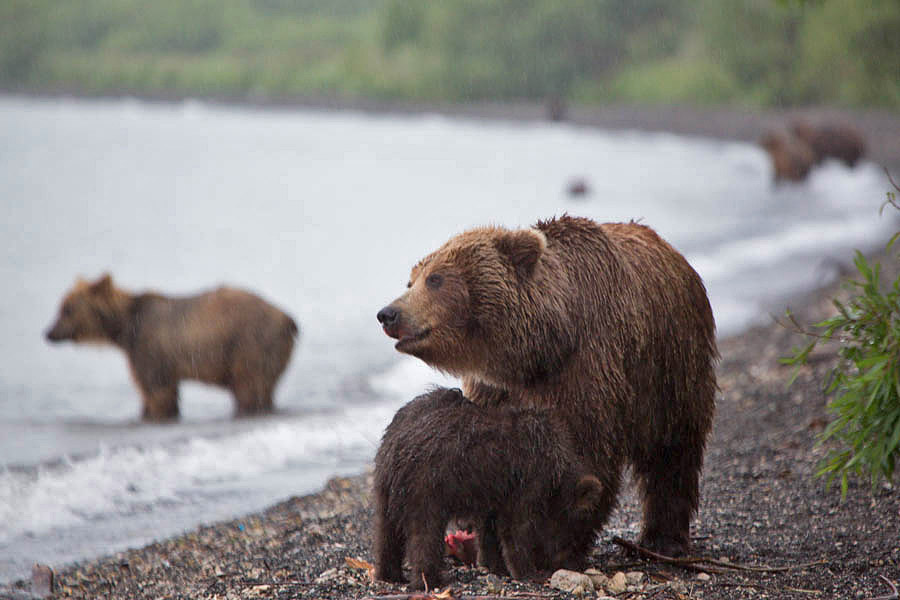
<point x="434" y="281"/>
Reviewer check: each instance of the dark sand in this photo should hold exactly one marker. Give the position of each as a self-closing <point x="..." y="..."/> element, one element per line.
<point x="761" y="504"/>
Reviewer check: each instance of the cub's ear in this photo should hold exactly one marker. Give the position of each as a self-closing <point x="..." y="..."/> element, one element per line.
<point x="588" y="494"/>
<point x="102" y="286"/>
<point x="523" y="248"/>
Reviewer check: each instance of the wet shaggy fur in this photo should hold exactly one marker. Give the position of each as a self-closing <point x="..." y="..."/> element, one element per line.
<point x="792" y="157"/>
<point x="840" y="141"/>
<point x="606" y="324"/>
<point x="443" y="457"/>
<point x="226" y="337"/>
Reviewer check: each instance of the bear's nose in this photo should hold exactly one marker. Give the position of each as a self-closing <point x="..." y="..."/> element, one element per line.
<point x="387" y="316"/>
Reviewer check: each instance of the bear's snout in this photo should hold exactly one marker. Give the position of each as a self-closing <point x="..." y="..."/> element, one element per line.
<point x="389" y="317"/>
<point x="55" y="334"/>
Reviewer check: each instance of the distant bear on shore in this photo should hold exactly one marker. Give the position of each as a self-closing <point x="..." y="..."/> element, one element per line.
<point x="443" y="457"/>
<point x="226" y="337"/>
<point x="792" y="158"/>
<point x="605" y="324"/>
<point x="840" y="141"/>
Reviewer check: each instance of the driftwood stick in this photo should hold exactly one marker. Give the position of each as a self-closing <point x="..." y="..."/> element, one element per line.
<point x="696" y="563"/>
<point x="427" y="596"/>
<point x="893" y="595"/>
<point x="687" y="563"/>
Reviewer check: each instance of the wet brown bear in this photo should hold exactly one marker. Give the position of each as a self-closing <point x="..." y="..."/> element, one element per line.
<point x="831" y="140"/>
<point x="444" y="457"/>
<point x="225" y="337"/>
<point x="792" y="158"/>
<point x="605" y="323"/>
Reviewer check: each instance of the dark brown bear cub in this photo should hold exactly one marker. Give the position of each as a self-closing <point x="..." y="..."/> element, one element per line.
<point x="604" y="324"/>
<point x="444" y="457"/>
<point x="225" y="337"/>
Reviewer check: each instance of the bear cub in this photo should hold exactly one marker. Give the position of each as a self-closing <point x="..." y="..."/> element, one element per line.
<point x="443" y="457"/>
<point x="225" y="337"/>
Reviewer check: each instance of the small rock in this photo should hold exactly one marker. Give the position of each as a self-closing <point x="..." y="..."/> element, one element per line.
<point x="315" y="534"/>
<point x="41" y="580"/>
<point x="599" y="579"/>
<point x="492" y="584"/>
<point x="572" y="581"/>
<point x="703" y="577"/>
<point x="617" y="583"/>
<point x="327" y="575"/>
<point x="634" y="577"/>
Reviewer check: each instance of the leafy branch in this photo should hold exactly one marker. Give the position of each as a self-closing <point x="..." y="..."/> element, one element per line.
<point x="865" y="383"/>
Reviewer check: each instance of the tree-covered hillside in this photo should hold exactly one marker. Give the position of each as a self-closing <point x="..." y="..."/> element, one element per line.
<point x="752" y="52"/>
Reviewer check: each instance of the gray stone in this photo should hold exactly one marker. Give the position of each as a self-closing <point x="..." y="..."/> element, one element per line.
<point x="617" y="583"/>
<point x="572" y="581"/>
<point x="634" y="577"/>
<point x="327" y="575"/>
<point x="599" y="579"/>
<point x="493" y="584"/>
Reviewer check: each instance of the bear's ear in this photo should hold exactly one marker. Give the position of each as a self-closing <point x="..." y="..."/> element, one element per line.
<point x="523" y="248"/>
<point x="103" y="286"/>
<point x="588" y="494"/>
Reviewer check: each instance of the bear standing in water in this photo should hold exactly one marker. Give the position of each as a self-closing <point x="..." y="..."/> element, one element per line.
<point x="443" y="457"/>
<point x="225" y="337"/>
<point x="605" y="324"/>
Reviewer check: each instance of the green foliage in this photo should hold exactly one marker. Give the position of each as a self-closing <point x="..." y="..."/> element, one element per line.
<point x="750" y="52"/>
<point x="687" y="81"/>
<point x="756" y="40"/>
<point x="865" y="384"/>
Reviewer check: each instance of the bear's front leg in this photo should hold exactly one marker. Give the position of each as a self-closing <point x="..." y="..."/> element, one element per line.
<point x="160" y="404"/>
<point x="390" y="546"/>
<point x="425" y="552"/>
<point x="251" y="396"/>
<point x="158" y="385"/>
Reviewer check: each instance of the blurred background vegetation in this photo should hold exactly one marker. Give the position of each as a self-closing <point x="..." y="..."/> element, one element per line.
<point x="737" y="52"/>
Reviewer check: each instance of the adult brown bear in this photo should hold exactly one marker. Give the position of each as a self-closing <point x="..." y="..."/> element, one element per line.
<point x="225" y="337"/>
<point x="836" y="140"/>
<point x="606" y="323"/>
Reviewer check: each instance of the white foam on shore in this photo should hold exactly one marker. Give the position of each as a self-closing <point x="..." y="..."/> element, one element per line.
<point x="120" y="481"/>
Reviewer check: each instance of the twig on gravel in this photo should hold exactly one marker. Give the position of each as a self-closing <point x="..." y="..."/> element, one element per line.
<point x="255" y="582"/>
<point x="661" y="589"/>
<point x="273" y="582"/>
<point x="767" y="588"/>
<point x="697" y="563"/>
<point x="427" y="596"/>
<point x="893" y="595"/>
<point x="687" y="563"/>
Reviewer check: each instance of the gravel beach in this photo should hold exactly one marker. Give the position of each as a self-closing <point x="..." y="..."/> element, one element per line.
<point x="767" y="528"/>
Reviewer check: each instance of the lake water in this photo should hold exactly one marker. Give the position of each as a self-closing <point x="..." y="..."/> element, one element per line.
<point x="322" y="213"/>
